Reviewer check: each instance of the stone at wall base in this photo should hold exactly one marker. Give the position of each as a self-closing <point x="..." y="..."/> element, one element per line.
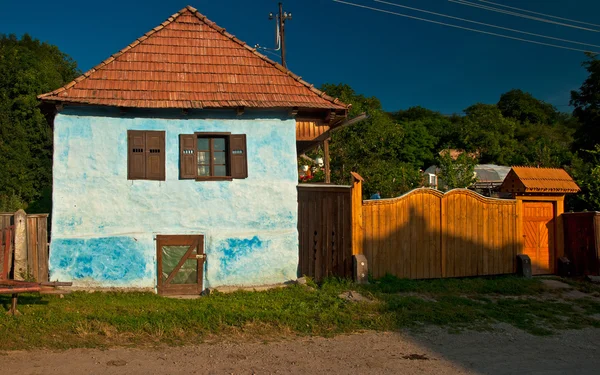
<point x="594" y="279"/>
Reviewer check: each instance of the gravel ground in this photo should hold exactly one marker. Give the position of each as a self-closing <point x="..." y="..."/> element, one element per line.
<point x="505" y="351"/>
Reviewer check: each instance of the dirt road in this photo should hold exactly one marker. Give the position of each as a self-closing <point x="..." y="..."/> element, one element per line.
<point x="505" y="351"/>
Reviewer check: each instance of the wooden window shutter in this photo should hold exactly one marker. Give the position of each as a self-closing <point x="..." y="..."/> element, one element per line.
<point x="239" y="159"/>
<point x="136" y="155"/>
<point x="187" y="156"/>
<point x="155" y="155"/>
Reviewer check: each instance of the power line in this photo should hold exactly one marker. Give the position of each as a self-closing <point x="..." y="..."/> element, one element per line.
<point x="461" y="27"/>
<point x="539" y="14"/>
<point x="463" y="2"/>
<point x="486" y="24"/>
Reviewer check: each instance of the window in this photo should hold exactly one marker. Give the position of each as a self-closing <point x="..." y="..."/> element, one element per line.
<point x="433" y="180"/>
<point x="145" y="155"/>
<point x="213" y="156"/>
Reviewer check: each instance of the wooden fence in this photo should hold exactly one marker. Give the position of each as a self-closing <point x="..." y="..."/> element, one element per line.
<point x="324" y="227"/>
<point x="422" y="234"/>
<point x="27" y="237"/>
<point x="427" y="234"/>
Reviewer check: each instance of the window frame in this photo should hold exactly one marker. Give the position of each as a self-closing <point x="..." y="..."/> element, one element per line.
<point x="212" y="135"/>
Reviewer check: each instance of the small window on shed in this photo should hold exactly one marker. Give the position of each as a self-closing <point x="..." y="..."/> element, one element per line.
<point x="145" y="155"/>
<point x="212" y="156"/>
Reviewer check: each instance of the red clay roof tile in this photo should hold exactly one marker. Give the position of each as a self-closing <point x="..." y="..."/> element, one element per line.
<point x="190" y="62"/>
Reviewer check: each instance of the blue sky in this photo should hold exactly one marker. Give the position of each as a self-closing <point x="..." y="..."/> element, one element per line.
<point x="401" y="61"/>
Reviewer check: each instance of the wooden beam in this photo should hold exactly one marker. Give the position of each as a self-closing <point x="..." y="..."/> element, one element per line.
<point x="357" y="214"/>
<point x="327" y="168"/>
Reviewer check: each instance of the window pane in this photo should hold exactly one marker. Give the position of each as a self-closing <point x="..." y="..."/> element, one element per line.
<point x="220" y="170"/>
<point x="219" y="144"/>
<point x="187" y="274"/>
<point x="203" y="157"/>
<point x="203" y="170"/>
<point x="219" y="158"/>
<point x="203" y="144"/>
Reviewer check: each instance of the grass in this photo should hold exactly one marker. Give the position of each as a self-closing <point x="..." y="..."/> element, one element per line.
<point x="107" y="319"/>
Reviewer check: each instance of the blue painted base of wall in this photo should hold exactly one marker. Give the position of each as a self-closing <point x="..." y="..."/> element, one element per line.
<point x="130" y="262"/>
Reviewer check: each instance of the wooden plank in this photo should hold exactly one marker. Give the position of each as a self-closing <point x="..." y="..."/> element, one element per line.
<point x="311" y="245"/>
<point x="480" y="250"/>
<point x="443" y="236"/>
<point x="387" y="231"/>
<point x="42" y="250"/>
<point x="414" y="239"/>
<point x="395" y="245"/>
<point x="31" y="248"/>
<point x="437" y="233"/>
<point x="375" y="233"/>
<point x="467" y="235"/>
<point x="421" y="242"/>
<point x="328" y="229"/>
<point x="381" y="250"/>
<point x="485" y="241"/>
<point x="448" y="237"/>
<point x="493" y="232"/>
<point x="368" y="234"/>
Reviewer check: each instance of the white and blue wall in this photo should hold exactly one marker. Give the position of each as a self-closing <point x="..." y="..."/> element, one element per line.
<point x="104" y="225"/>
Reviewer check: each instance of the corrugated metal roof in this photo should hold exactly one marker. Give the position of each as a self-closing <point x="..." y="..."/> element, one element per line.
<point x="190" y="62"/>
<point x="539" y="180"/>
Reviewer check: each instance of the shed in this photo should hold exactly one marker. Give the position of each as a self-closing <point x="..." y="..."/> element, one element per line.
<point x="540" y="195"/>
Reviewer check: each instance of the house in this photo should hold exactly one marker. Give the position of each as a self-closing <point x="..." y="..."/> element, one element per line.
<point x="489" y="177"/>
<point x="175" y="163"/>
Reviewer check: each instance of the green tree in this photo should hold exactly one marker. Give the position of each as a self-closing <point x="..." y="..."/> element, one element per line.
<point x="523" y="107"/>
<point x="386" y="153"/>
<point x="586" y="101"/>
<point x="28" y="68"/>
<point x="485" y="131"/>
<point x="459" y="173"/>
<point x="587" y="175"/>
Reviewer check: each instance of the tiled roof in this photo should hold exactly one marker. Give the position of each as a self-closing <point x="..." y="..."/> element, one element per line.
<point x="190" y="62"/>
<point x="539" y="180"/>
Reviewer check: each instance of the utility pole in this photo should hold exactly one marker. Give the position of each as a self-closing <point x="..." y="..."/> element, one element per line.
<point x="281" y="18"/>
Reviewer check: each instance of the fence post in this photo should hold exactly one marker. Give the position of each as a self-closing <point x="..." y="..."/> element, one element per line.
<point x="20" y="258"/>
<point x="357" y="214"/>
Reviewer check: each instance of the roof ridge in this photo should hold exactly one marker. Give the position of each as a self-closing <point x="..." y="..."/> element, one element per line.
<point x="215" y="27"/>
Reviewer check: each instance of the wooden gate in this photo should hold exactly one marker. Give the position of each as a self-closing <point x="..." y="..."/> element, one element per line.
<point x="180" y="264"/>
<point x="539" y="234"/>
<point x="324" y="226"/>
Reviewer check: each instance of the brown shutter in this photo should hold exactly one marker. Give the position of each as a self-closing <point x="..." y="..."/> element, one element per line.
<point x="237" y="152"/>
<point x="187" y="156"/>
<point x="155" y="155"/>
<point x="136" y="155"/>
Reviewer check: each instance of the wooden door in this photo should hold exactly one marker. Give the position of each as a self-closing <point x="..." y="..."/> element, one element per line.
<point x="180" y="264"/>
<point x="538" y="232"/>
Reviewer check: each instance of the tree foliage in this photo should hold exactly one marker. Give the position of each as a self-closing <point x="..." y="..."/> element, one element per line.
<point x="459" y="173"/>
<point x="386" y="153"/>
<point x="586" y="101"/>
<point x="28" y="68"/>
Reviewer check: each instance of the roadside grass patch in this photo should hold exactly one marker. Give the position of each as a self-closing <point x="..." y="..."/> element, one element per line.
<point x="99" y="319"/>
